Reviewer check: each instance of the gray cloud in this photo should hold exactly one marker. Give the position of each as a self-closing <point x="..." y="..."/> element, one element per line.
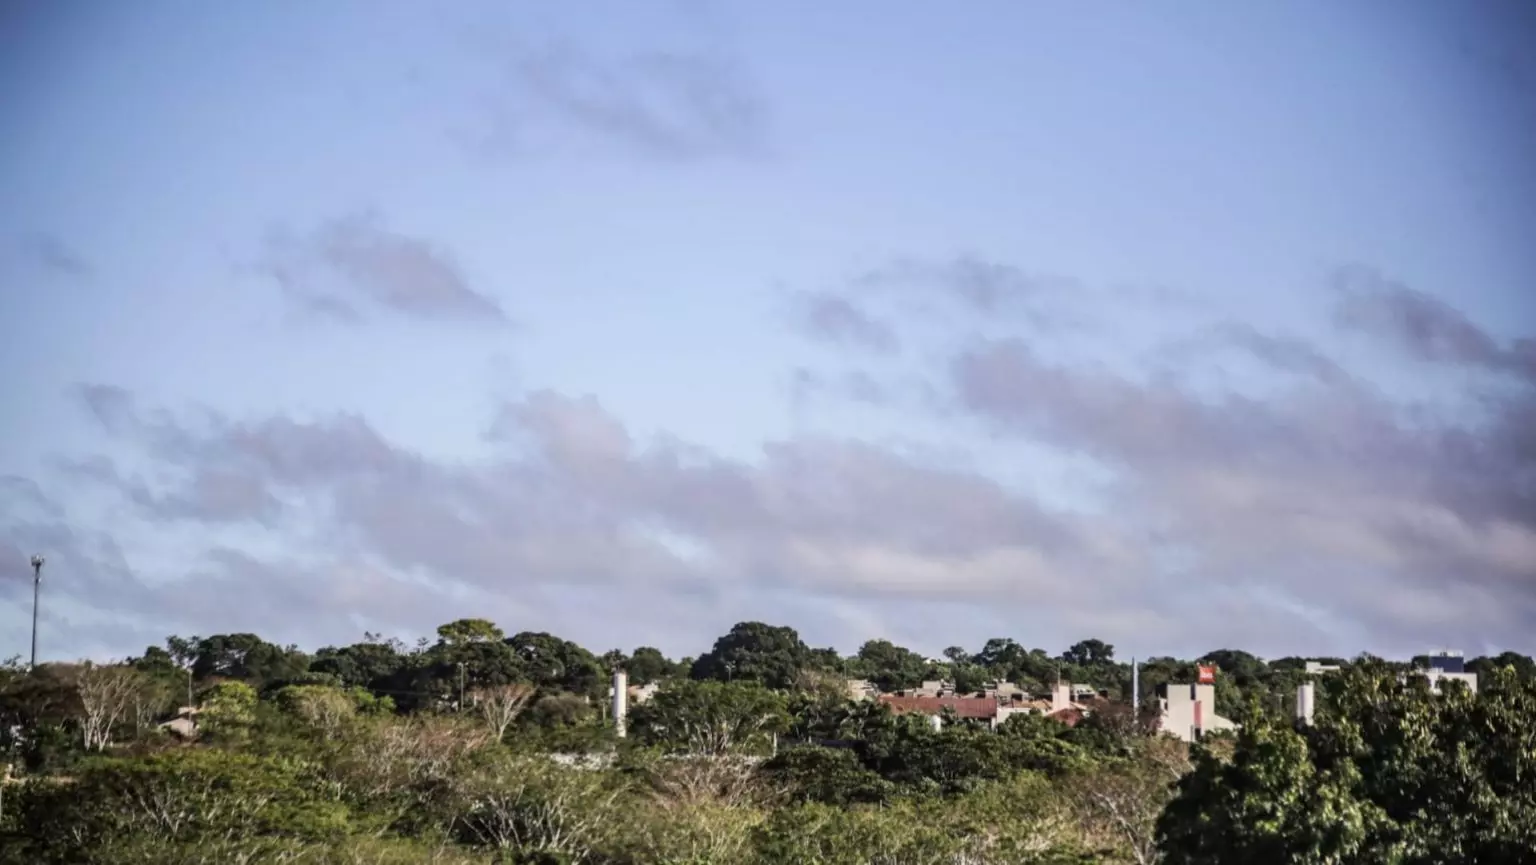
<point x="576" y="501"/>
<point x="684" y="99"/>
<point x="355" y="264"/>
<point x="832" y="318"/>
<point x="1424" y="326"/>
<point x="856" y="386"/>
<point x="52" y="253"/>
<point x="976" y="285"/>
<point x="1316" y="513"/>
<point x="669" y="105"/>
<point x="1325" y="496"/>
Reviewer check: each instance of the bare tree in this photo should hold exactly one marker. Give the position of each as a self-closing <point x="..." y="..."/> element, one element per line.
<point x="107" y="695"/>
<point x="501" y="704"/>
<point x="534" y="805"/>
<point x="689" y="780"/>
<point x="1120" y="803"/>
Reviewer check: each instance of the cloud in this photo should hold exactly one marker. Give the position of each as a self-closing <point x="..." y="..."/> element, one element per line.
<point x="835" y="319"/>
<point x="682" y="96"/>
<point x="670" y="105"/>
<point x="855" y="386"/>
<point x="1325" y="495"/>
<point x="575" y="501"/>
<point x="975" y="285"/>
<point x="52" y="253"/>
<point x="354" y="265"/>
<point x="1295" y="507"/>
<point x="1425" y="327"/>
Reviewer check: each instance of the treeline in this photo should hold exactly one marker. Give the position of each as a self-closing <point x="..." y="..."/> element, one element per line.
<point x="480" y="747"/>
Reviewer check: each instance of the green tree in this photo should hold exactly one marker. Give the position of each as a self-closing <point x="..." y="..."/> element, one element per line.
<point x="711" y="717"/>
<point x="361" y="664"/>
<point x="1089" y="653"/>
<point x="835" y="776"/>
<point x="172" y="798"/>
<point x="228" y="709"/>
<point x="554" y="663"/>
<point x="753" y="651"/>
<point x="648" y="665"/>
<point x="247" y="657"/>
<point x="1390" y="772"/>
<point x="462" y="631"/>
<point x="890" y="666"/>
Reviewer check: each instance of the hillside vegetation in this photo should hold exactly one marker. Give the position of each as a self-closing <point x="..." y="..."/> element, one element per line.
<point x="484" y="748"/>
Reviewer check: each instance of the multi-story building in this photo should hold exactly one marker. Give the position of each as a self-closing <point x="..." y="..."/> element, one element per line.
<point x="1189" y="711"/>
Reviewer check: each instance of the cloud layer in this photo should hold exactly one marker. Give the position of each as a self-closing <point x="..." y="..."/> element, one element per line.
<point x="1317" y="512"/>
<point x="355" y="265"/>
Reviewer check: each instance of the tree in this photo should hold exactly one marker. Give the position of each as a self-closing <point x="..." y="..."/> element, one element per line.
<point x="834" y="776"/>
<point x="890" y="666"/>
<point x="500" y="705"/>
<point x="1120" y="800"/>
<point x="1389" y="772"/>
<point x="1089" y="653"/>
<point x="710" y="717"/>
<point x="107" y="696"/>
<point x="328" y="710"/>
<point x="1000" y="653"/>
<point x="366" y="664"/>
<point x="462" y="631"/>
<point x="648" y="665"/>
<point x="228" y="709"/>
<point x="753" y="651"/>
<point x="171" y="798"/>
<point x="246" y="657"/>
<point x="537" y="808"/>
<point x="551" y="662"/>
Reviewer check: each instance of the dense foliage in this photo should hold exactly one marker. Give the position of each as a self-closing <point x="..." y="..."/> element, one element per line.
<point x="480" y="747"/>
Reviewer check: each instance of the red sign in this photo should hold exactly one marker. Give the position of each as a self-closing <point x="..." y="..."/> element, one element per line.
<point x="1207" y="675"/>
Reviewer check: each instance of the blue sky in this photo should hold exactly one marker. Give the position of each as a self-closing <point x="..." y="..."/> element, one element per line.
<point x="1183" y="327"/>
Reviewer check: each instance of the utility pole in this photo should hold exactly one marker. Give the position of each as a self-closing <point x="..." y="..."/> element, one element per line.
<point x="37" y="582"/>
<point x="461" y="686"/>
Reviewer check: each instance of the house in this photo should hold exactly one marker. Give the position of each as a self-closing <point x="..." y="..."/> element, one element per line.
<point x="932" y="688"/>
<point x="184" y="725"/>
<point x="1189" y="711"/>
<point x="979" y="708"/>
<point x="1447" y="666"/>
<point x="861" y="689"/>
<point x="993" y="709"/>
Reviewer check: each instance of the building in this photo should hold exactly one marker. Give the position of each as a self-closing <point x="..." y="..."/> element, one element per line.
<point x="1189" y="711"/>
<point x="932" y="688"/>
<point x="1448" y="666"/>
<point x="184" y="725"/>
<point x="861" y="689"/>
<point x="1316" y="667"/>
<point x="992" y="707"/>
<point x="978" y="708"/>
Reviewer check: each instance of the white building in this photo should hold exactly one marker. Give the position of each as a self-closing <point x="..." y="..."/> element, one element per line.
<point x="1189" y="711"/>
<point x="1448" y="666"/>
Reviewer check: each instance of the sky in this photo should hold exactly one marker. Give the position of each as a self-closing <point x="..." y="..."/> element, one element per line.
<point x="1182" y="326"/>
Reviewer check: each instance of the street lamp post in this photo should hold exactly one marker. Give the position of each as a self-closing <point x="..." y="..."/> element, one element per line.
<point x="37" y="582"/>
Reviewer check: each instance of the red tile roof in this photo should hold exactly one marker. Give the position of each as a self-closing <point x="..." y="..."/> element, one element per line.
<point x="1069" y="716"/>
<point x="965" y="707"/>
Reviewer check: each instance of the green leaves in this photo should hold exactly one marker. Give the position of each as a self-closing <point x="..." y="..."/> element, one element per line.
<point x="711" y="718"/>
<point x="755" y="652"/>
<point x="198" y="795"/>
<point x="1391" y="772"/>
